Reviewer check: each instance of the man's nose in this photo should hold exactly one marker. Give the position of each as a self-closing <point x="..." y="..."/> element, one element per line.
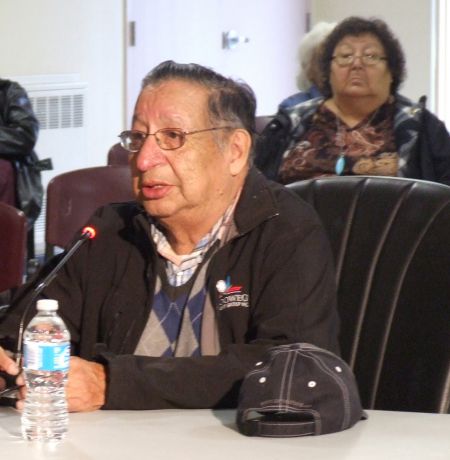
<point x="150" y="154"/>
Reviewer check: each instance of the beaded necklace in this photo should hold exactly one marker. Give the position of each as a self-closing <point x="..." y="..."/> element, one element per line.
<point x="340" y="141"/>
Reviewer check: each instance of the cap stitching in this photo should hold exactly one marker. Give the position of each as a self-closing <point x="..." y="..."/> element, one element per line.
<point x="343" y="387"/>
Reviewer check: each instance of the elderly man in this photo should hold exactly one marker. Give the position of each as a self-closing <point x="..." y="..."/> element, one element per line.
<point x="182" y="292"/>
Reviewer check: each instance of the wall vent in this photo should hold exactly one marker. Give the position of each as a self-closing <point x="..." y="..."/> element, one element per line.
<point x="59" y="112"/>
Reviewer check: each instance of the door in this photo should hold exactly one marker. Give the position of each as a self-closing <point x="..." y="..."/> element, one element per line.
<point x="261" y="50"/>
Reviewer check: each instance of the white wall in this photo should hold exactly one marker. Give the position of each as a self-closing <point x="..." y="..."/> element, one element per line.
<point x="410" y="20"/>
<point x="87" y="37"/>
<point x="83" y="37"/>
<point x="267" y="61"/>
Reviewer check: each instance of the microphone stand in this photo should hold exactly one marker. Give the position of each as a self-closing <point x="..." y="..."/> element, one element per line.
<point x="87" y="234"/>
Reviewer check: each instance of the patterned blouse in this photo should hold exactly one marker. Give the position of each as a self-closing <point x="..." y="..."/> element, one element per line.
<point x="330" y="147"/>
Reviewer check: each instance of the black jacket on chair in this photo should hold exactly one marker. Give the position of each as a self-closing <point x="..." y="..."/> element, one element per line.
<point x="18" y="134"/>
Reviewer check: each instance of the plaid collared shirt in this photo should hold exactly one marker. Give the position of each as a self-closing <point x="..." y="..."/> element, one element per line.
<point x="180" y="268"/>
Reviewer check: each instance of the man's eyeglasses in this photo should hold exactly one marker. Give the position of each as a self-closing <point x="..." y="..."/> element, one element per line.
<point x="345" y="60"/>
<point x="166" y="138"/>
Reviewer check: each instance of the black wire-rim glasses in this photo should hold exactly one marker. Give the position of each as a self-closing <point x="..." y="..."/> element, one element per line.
<point x="166" y="138"/>
<point x="345" y="60"/>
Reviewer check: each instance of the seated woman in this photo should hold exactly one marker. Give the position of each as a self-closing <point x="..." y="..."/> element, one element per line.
<point x="361" y="126"/>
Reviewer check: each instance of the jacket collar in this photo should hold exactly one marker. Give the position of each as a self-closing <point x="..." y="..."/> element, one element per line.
<point x="256" y="204"/>
<point x="406" y="110"/>
<point x="304" y="110"/>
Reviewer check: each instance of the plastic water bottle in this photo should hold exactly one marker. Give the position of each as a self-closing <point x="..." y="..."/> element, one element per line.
<point x="46" y="345"/>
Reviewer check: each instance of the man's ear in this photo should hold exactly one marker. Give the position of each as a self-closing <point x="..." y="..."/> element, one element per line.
<point x="240" y="143"/>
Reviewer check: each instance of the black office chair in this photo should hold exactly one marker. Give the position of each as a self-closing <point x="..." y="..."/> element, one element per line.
<point x="72" y="197"/>
<point x="391" y="241"/>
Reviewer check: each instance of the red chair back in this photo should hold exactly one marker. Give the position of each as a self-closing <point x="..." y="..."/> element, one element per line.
<point x="72" y="198"/>
<point x="13" y="240"/>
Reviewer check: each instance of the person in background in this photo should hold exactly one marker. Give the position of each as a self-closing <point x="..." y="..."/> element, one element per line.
<point x="182" y="291"/>
<point x="361" y="125"/>
<point x="308" y="78"/>
<point x="20" y="179"/>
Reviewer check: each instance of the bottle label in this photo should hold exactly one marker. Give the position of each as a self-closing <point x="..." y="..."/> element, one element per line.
<point x="47" y="356"/>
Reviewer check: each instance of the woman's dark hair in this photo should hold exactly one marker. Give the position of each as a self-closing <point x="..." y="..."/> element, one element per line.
<point x="355" y="26"/>
<point x="229" y="101"/>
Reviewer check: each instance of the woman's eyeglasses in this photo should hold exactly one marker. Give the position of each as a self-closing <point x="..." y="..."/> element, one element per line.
<point x="345" y="60"/>
<point x="166" y="138"/>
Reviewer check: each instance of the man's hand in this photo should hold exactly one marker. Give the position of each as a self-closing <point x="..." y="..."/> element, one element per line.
<point x="86" y="386"/>
<point x="85" y="389"/>
<point x="9" y="367"/>
<point x="7" y="364"/>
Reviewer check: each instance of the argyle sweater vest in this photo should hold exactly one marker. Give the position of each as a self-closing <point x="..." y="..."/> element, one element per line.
<point x="174" y="324"/>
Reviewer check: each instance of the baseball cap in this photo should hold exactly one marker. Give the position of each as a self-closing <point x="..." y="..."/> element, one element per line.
<point x="298" y="390"/>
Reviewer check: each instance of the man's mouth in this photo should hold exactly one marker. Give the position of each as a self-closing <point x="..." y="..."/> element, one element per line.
<point x="155" y="190"/>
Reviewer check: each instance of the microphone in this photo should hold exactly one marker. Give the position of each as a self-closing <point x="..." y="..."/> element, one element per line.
<point x="87" y="233"/>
